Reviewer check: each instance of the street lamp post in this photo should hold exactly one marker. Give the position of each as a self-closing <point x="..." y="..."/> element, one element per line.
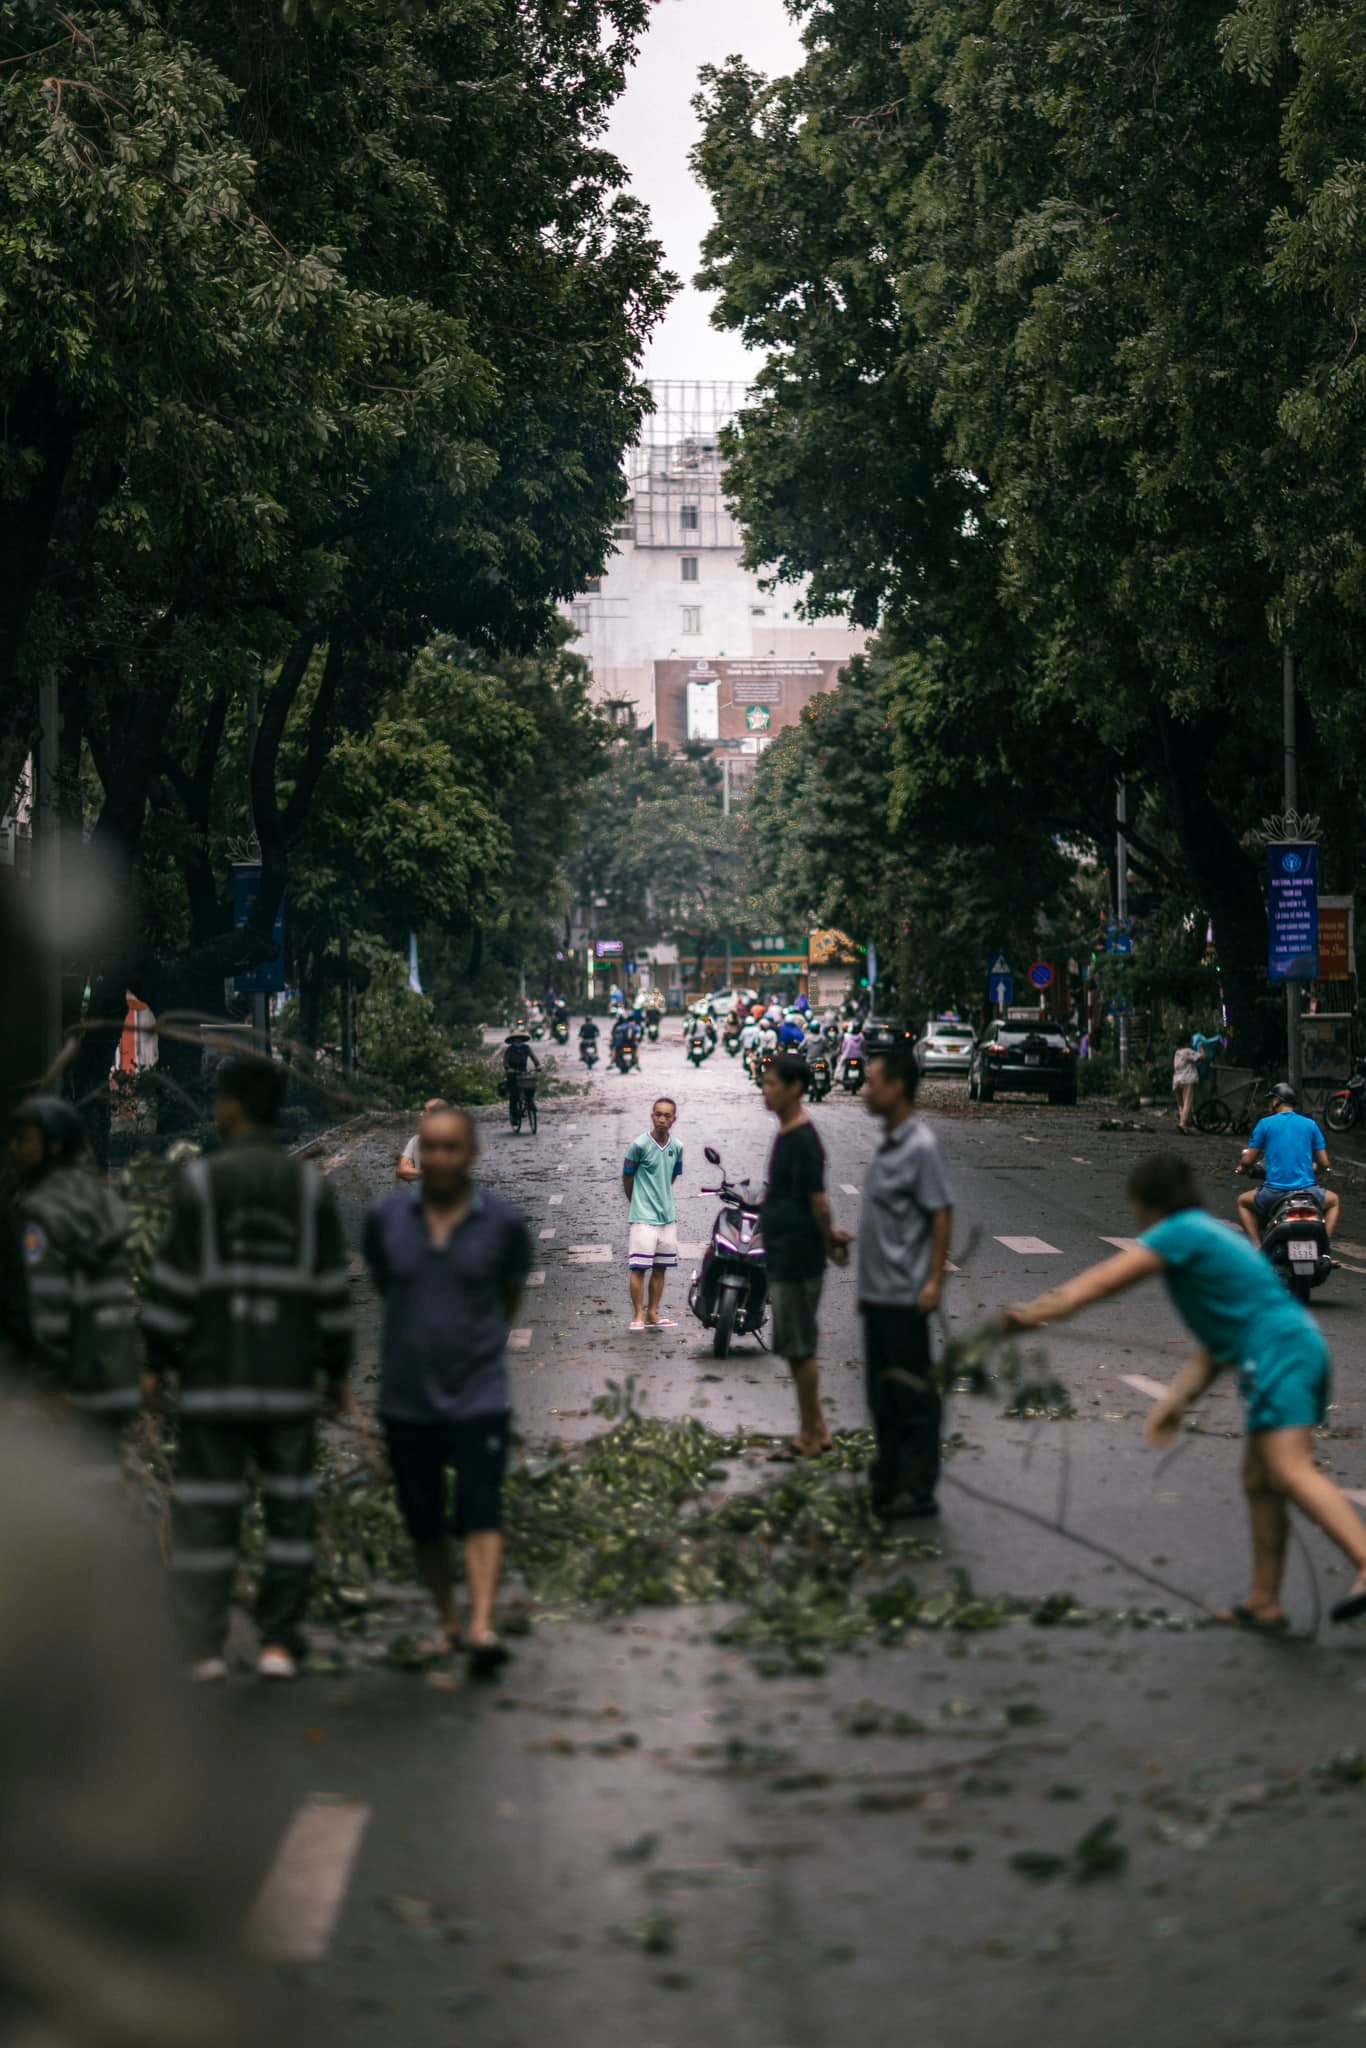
<point x="1122" y="900"/>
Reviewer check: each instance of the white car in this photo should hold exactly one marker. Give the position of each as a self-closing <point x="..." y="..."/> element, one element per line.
<point x="945" y="1046"/>
<point x="722" y="1001"/>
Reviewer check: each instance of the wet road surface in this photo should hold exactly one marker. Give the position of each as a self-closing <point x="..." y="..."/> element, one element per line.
<point x="635" y="1839"/>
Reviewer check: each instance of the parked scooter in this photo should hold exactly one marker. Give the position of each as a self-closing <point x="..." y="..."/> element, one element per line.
<point x="729" y="1291"/>
<point x="1346" y="1106"/>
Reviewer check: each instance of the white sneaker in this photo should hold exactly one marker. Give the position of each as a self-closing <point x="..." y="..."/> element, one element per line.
<point x="276" y="1664"/>
<point x="209" y="1671"/>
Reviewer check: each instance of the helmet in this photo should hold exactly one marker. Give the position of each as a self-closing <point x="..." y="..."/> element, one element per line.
<point x="1282" y="1092"/>
<point x="61" y="1127"/>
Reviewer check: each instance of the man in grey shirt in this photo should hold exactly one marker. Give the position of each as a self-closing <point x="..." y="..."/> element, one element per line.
<point x="905" y="1227"/>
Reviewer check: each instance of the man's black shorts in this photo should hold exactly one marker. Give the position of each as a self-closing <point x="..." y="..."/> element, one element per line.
<point x="475" y="1450"/>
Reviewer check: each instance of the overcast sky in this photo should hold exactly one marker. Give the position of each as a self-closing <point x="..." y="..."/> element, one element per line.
<point x="654" y="130"/>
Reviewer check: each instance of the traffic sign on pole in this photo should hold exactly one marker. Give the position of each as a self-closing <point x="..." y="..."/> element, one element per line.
<point x="1001" y="990"/>
<point x="1041" y="975"/>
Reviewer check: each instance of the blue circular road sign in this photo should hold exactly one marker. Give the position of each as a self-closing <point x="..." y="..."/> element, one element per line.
<point x="1041" y="975"/>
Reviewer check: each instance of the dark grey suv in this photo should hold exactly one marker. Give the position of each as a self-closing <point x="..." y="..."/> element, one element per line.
<point x="1032" y="1059"/>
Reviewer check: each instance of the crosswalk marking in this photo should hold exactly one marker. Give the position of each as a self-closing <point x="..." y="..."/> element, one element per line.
<point x="556" y="1201"/>
<point x="297" y="1906"/>
<point x="847" y="1189"/>
<point x="590" y="1254"/>
<point x="1030" y="1247"/>
<point x="546" y="1232"/>
<point x="536" y="1279"/>
<point x="1154" y="1389"/>
<point x="519" y="1340"/>
<point x="1122" y="1244"/>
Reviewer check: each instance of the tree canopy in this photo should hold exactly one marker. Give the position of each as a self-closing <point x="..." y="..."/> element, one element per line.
<point x="1043" y="334"/>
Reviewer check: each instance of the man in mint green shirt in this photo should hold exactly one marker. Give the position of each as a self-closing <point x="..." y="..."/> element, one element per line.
<point x="653" y="1163"/>
<point x="1243" y="1316"/>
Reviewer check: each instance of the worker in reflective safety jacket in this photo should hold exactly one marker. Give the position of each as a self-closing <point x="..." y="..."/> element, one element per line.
<point x="81" y="1339"/>
<point x="246" y="1303"/>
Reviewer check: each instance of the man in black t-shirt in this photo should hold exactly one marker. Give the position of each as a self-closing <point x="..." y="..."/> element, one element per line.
<point x="799" y="1235"/>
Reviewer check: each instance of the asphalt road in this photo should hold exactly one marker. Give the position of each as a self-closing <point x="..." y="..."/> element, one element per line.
<point x="637" y="1840"/>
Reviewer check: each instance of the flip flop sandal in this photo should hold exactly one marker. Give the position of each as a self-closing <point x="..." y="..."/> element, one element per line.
<point x="664" y="1323"/>
<point x="639" y="1326"/>
<point x="1350" y="1609"/>
<point x="488" y="1657"/>
<point x="1255" y="1624"/>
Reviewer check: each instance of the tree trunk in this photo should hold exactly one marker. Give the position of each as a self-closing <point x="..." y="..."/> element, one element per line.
<point x="1227" y="880"/>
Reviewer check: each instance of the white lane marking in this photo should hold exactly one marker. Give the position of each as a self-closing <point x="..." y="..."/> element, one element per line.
<point x="847" y="1189"/>
<point x="1154" y="1389"/>
<point x="1079" y="1162"/>
<point x="590" y="1254"/>
<point x="563" y="1166"/>
<point x="1030" y="1247"/>
<point x="1122" y="1244"/>
<point x="1345" y="1267"/>
<point x="556" y="1201"/>
<point x="519" y="1340"/>
<point x="536" y="1279"/>
<point x="546" y="1232"/>
<point x="298" y="1903"/>
<point x="1031" y="1141"/>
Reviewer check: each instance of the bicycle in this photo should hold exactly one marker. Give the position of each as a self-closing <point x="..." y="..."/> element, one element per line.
<point x="1216" y="1115"/>
<point x="521" y="1101"/>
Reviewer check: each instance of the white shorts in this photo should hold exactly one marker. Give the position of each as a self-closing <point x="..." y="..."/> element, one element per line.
<point x="652" y="1244"/>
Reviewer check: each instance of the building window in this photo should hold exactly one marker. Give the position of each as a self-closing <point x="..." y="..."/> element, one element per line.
<point x="620" y="711"/>
<point x="687" y="518"/>
<point x="757" y="611"/>
<point x="690" y="566"/>
<point x="692" y="618"/>
<point x="583" y="617"/>
<point x="593" y="585"/>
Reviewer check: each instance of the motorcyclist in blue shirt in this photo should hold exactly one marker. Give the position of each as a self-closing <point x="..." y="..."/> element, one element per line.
<point x="1293" y="1148"/>
<point x="791" y="1034"/>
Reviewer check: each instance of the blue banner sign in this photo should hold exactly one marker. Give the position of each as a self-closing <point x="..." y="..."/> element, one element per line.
<point x="267" y="978"/>
<point x="1292" y="908"/>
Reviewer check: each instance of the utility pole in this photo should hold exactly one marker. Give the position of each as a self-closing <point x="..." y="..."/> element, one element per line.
<point x="725" y="812"/>
<point x="260" y="1005"/>
<point x="1122" y="899"/>
<point x="47" y="875"/>
<point x="1294" y="1050"/>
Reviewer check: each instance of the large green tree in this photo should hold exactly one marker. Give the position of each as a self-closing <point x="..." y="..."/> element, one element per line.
<point x="1028" y="404"/>
<point x="343" y="355"/>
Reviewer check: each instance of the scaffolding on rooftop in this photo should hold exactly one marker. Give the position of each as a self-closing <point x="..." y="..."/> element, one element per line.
<point x="675" y="471"/>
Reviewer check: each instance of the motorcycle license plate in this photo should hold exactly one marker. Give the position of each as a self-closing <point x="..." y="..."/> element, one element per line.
<point x="1033" y="1059"/>
<point x="1304" y="1254"/>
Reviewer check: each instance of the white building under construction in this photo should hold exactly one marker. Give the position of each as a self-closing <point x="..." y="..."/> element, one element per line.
<point x="682" y="637"/>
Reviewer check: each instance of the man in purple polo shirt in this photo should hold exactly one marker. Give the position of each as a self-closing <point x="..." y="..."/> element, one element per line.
<point x="450" y="1261"/>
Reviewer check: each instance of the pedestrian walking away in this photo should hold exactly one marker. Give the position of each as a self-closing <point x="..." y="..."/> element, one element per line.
<point x="408" y="1166"/>
<point x="905" y="1231"/>
<point x="653" y="1163"/>
<point x="450" y="1261"/>
<point x="79" y="1311"/>
<point x="247" y="1307"/>
<point x="799" y="1236"/>
<point x="1243" y="1317"/>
